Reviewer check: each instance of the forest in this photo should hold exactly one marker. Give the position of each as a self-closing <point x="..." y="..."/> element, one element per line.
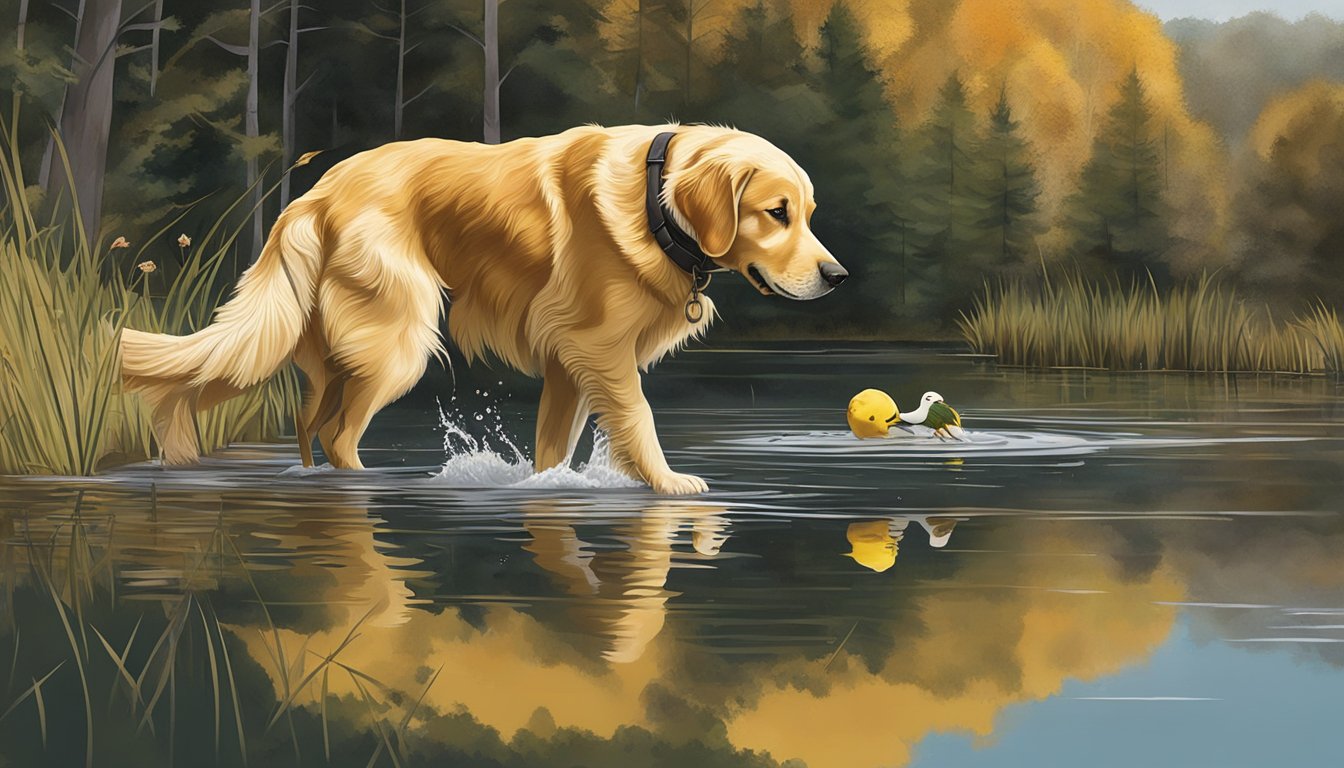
<point x="953" y="145"/>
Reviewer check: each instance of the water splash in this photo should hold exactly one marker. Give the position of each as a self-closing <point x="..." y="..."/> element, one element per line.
<point x="494" y="460"/>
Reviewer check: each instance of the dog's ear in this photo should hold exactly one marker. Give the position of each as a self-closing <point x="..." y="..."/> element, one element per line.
<point x="707" y="194"/>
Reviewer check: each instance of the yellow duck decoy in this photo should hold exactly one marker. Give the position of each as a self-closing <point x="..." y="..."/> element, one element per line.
<point x="872" y="413"/>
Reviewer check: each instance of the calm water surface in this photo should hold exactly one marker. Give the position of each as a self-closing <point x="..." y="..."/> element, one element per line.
<point x="1115" y="570"/>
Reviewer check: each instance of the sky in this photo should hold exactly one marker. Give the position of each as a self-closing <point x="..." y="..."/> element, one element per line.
<point x="1222" y="10"/>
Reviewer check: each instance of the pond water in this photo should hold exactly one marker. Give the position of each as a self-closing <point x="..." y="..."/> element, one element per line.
<point x="1118" y="570"/>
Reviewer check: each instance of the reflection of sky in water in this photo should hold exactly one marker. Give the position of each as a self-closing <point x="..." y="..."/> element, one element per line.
<point x="1268" y="708"/>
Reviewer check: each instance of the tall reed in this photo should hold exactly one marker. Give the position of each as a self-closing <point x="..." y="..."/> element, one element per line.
<point x="63" y="304"/>
<point x="1070" y="321"/>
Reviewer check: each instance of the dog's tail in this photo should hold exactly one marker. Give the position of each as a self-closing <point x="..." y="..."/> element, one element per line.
<point x="251" y="337"/>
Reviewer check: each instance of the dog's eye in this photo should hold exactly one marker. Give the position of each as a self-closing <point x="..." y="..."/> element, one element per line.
<point x="779" y="214"/>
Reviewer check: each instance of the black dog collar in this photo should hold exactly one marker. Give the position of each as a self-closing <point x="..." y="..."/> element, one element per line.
<point x="676" y="242"/>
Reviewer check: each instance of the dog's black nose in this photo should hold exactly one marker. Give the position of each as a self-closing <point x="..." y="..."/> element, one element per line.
<point x="833" y="273"/>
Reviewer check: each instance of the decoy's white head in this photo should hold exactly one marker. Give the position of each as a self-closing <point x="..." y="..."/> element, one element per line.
<point x="930" y="398"/>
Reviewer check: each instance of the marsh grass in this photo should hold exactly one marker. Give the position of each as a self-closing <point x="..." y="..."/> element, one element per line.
<point x="63" y="304"/>
<point x="114" y="689"/>
<point x="1069" y="321"/>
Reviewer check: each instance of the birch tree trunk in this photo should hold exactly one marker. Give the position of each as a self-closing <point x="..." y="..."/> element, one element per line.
<point x="639" y="52"/>
<point x="690" y="46"/>
<point x="86" y="114"/>
<point x="287" y="99"/>
<point x="490" y="44"/>
<point x="252" y="126"/>
<point x="49" y="154"/>
<point x="398" y="104"/>
<point x="23" y="22"/>
<point x="154" y="47"/>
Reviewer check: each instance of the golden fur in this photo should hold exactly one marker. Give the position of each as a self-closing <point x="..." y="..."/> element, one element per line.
<point x="542" y="246"/>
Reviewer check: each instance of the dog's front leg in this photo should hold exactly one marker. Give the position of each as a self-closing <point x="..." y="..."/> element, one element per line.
<point x="560" y="417"/>
<point x="624" y="414"/>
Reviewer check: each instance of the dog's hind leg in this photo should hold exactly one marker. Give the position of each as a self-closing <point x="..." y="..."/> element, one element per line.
<point x="381" y="320"/>
<point x="325" y="422"/>
<point x="363" y="398"/>
<point x="373" y="375"/>
<point x="310" y="357"/>
<point x="560" y="417"/>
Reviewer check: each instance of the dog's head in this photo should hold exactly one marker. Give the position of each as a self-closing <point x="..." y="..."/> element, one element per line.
<point x="748" y="205"/>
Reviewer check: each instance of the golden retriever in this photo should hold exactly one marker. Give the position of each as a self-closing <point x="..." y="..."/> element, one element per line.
<point x="544" y="249"/>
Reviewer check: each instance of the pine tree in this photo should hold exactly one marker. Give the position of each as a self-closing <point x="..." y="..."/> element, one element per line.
<point x="946" y="239"/>
<point x="856" y="168"/>
<point x="1010" y="221"/>
<point x="762" y="66"/>
<point x="1118" y="214"/>
<point x="761" y="51"/>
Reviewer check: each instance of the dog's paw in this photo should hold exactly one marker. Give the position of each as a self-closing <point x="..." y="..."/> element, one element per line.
<point x="677" y="484"/>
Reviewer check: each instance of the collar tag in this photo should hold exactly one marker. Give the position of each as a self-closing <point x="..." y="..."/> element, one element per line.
<point x="695" y="308"/>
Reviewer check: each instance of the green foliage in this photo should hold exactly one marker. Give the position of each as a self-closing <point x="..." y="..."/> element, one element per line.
<point x="58" y="341"/>
<point x="858" y="174"/>
<point x="1010" y="221"/>
<point x="1119" y="216"/>
<point x="919" y="211"/>
<point x="1288" y="212"/>
<point x="63" y="305"/>
<point x="1069" y="321"/>
<point x="947" y="174"/>
<point x="762" y="50"/>
<point x="762" y="67"/>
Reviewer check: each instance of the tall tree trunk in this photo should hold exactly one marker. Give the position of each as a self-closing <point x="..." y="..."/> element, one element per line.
<point x="154" y="47"/>
<point x="398" y="105"/>
<point x="287" y="101"/>
<point x="639" y="52"/>
<point x="49" y="154"/>
<point x="690" y="47"/>
<point x="22" y="29"/>
<point x="252" y="126"/>
<point x="490" y="42"/>
<point x="86" y="115"/>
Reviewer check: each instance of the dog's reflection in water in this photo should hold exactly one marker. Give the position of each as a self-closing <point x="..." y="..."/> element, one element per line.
<point x="620" y="594"/>
<point x="874" y="544"/>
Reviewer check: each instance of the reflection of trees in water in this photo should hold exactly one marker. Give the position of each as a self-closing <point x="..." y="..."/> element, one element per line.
<point x="1288" y="563"/>
<point x="299" y="593"/>
<point x="1000" y="631"/>
<point x="652" y="631"/>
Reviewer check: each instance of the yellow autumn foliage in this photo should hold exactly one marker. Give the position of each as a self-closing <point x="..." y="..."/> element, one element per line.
<point x="1317" y="103"/>
<point x="1061" y="62"/>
